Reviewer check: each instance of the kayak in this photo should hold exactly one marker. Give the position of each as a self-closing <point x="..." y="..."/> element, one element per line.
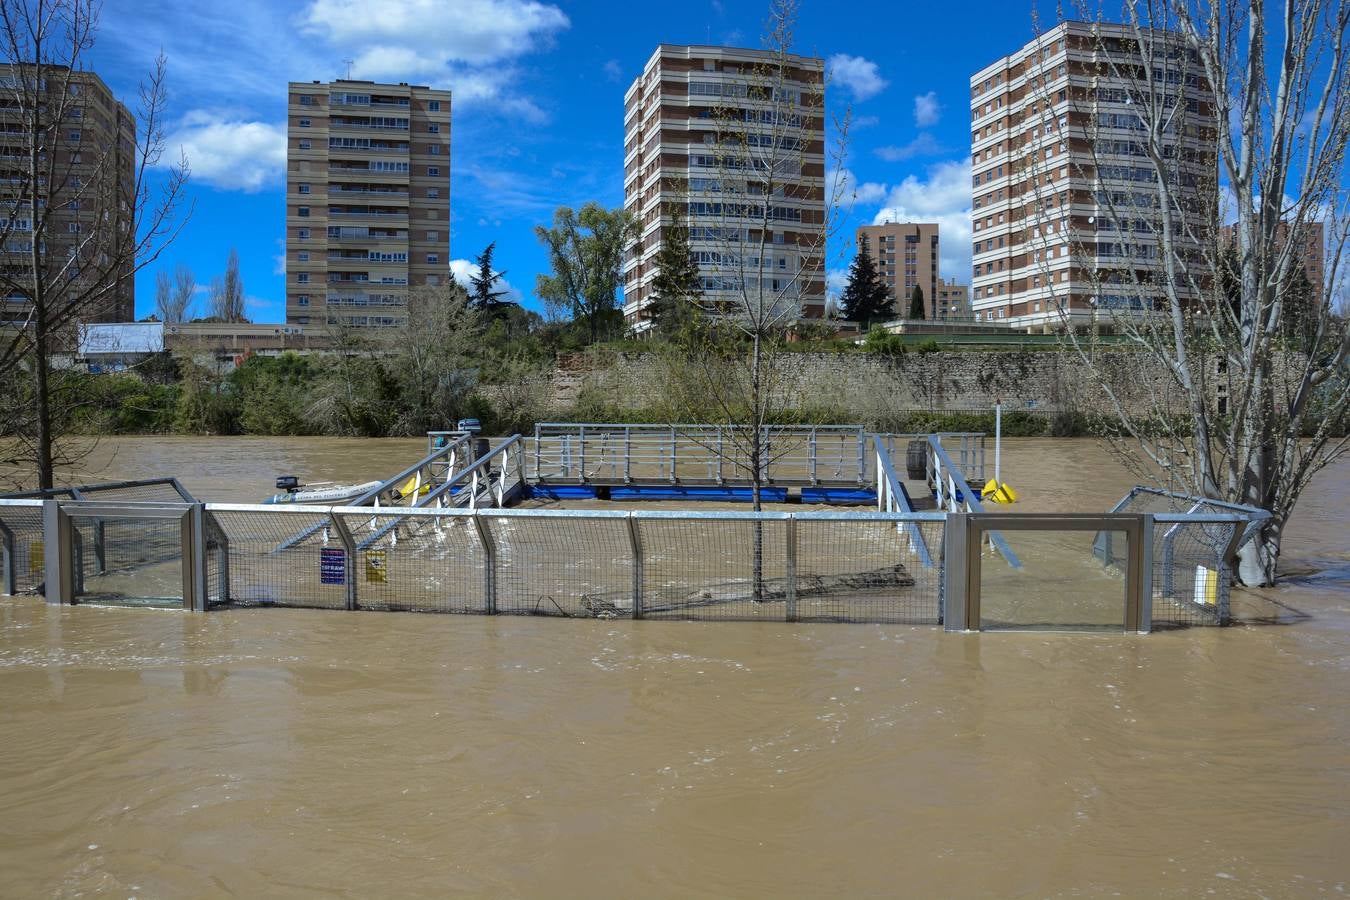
<point x="329" y="495"/>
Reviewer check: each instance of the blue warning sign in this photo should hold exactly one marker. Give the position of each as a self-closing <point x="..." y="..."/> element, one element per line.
<point x="332" y="566"/>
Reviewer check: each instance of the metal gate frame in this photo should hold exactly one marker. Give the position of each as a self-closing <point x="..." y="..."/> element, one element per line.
<point x="61" y="575"/>
<point x="963" y="560"/>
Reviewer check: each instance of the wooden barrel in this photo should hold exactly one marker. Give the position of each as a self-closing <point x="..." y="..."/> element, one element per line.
<point x="916" y="460"/>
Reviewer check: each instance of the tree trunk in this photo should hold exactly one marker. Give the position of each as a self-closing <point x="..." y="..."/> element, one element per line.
<point x="44" y="408"/>
<point x="1259" y="557"/>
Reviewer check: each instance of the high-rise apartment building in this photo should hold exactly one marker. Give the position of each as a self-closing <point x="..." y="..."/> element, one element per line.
<point x="673" y="113"/>
<point x="1064" y="196"/>
<point x="906" y="254"/>
<point x="367" y="200"/>
<point x="85" y="186"/>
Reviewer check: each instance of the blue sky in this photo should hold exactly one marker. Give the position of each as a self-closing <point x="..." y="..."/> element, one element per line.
<point x="538" y="107"/>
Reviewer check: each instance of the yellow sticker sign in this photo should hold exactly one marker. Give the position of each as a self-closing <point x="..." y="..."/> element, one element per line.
<point x="376" y="573"/>
<point x="36" y="556"/>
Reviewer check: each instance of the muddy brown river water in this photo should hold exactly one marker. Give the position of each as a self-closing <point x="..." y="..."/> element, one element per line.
<point x="315" y="754"/>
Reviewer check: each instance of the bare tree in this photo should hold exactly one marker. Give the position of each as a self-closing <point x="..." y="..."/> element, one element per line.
<point x="184" y="290"/>
<point x="173" y="294"/>
<point x="227" y="292"/>
<point x="1237" y="115"/>
<point x="432" y="356"/>
<point x="79" y="215"/>
<point x="774" y="212"/>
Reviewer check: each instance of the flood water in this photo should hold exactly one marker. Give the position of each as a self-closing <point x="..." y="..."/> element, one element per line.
<point x="305" y="753"/>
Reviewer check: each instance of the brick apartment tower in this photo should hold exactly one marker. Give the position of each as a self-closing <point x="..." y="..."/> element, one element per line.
<point x="906" y="254"/>
<point x="93" y="171"/>
<point x="367" y="200"/>
<point x="1057" y="158"/>
<point x="671" y="117"/>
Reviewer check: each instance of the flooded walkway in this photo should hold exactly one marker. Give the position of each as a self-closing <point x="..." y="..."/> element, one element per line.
<point x="297" y="753"/>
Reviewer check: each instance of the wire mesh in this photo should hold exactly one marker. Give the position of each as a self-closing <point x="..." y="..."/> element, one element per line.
<point x="285" y="559"/>
<point x="1191" y="578"/>
<point x="127" y="560"/>
<point x="580" y="567"/>
<point x="418" y="563"/>
<point x="25" y="526"/>
<point x="708" y="569"/>
<point x="868" y="571"/>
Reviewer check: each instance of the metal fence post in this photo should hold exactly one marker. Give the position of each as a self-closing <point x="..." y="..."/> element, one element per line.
<point x="1146" y="576"/>
<point x="193" y="551"/>
<point x="635" y="541"/>
<point x="349" y="546"/>
<point x="57" y="554"/>
<point x="791" y="538"/>
<point x="955" y="574"/>
<point x="489" y="563"/>
<point x="7" y="558"/>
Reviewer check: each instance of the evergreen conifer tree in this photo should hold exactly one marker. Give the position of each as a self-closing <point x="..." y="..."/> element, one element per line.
<point x="676" y="287"/>
<point x="481" y="295"/>
<point x="916" y="303"/>
<point x="865" y="298"/>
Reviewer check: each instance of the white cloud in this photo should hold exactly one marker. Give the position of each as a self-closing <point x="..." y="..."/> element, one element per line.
<point x="835" y="282"/>
<point x="613" y="71"/>
<point x="927" y="110"/>
<point x="226" y="151"/>
<point x="943" y="197"/>
<point x="858" y="75"/>
<point x="923" y="145"/>
<point x="479" y="32"/>
<point x="465" y="269"/>
<point x="868" y="192"/>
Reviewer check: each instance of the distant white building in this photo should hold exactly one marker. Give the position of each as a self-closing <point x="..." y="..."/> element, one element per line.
<point x="112" y="348"/>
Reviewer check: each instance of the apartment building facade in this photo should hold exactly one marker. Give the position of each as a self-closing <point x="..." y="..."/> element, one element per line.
<point x="1310" y="254"/>
<point x="953" y="300"/>
<point x="1065" y="202"/>
<point x="906" y="255"/>
<point x="85" y="191"/>
<point x="687" y="100"/>
<point x="367" y="200"/>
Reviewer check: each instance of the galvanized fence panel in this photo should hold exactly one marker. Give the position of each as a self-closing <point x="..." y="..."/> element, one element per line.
<point x="285" y="556"/>
<point x="705" y="567"/>
<point x="1192" y="575"/>
<point x="867" y="570"/>
<point x="21" y="546"/>
<point x="421" y="563"/>
<point x="558" y="565"/>
<point x="127" y="559"/>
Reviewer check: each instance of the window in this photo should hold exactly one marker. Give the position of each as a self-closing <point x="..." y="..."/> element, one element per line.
<point x="303" y="256"/>
<point x="434" y="149"/>
<point x="304" y="123"/>
<point x="434" y="105"/>
<point x="73" y="227"/>
<point x="306" y="99"/>
<point x="433" y="193"/>
<point x="433" y="257"/>
<point x="433" y="279"/>
<point x="433" y="235"/>
<point x="433" y="170"/>
<point x="302" y="277"/>
<point x="433" y="128"/>
<point x="304" y="145"/>
<point x="74" y="136"/>
<point x="303" y="212"/>
<point x="302" y="300"/>
<point x="303" y="234"/>
<point x="302" y="188"/>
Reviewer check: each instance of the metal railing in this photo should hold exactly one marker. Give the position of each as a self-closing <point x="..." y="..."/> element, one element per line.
<point x="954" y="495"/>
<point x="892" y="497"/>
<point x="599" y="453"/>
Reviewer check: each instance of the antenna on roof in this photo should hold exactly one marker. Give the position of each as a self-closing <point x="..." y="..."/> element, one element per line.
<point x="349" y="68"/>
